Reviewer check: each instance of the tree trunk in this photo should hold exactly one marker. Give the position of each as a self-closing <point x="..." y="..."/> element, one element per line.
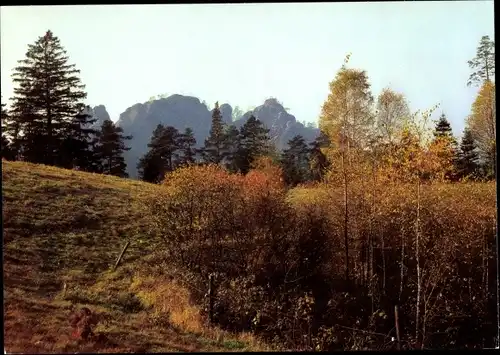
<point x="417" y="256"/>
<point x="346" y="220"/>
<point x="402" y="265"/>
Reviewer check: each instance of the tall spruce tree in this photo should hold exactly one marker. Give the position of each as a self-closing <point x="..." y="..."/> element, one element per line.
<point x="213" y="150"/>
<point x="186" y="144"/>
<point x="443" y="127"/>
<point x="6" y="149"/>
<point x="254" y="142"/>
<point x="160" y="159"/>
<point x="46" y="101"/>
<point x="110" y="148"/>
<point x="231" y="148"/>
<point x="295" y="161"/>
<point x="467" y="165"/>
<point x="448" y="148"/>
<point x="79" y="143"/>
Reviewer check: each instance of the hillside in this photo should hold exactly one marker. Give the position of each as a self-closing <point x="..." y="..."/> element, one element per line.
<point x="68" y="227"/>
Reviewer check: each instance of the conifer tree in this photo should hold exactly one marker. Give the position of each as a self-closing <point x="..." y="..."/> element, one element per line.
<point x="214" y="145"/>
<point x="468" y="158"/>
<point x="6" y="151"/>
<point x="318" y="161"/>
<point x="186" y="143"/>
<point x="254" y="142"/>
<point x="445" y="147"/>
<point x="483" y="64"/>
<point x="295" y="161"/>
<point x="160" y="159"/>
<point x="110" y="148"/>
<point x="47" y="99"/>
<point x="231" y="148"/>
<point x="79" y="143"/>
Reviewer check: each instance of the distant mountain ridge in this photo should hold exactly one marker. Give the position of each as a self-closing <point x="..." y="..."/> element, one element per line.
<point x="181" y="112"/>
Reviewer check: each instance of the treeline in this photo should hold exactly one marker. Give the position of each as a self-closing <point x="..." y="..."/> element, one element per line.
<point x="47" y="122"/>
<point x="231" y="148"/>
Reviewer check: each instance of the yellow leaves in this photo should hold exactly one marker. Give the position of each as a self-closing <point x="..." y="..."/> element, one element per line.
<point x="392" y="112"/>
<point x="482" y="121"/>
<point x="347" y="110"/>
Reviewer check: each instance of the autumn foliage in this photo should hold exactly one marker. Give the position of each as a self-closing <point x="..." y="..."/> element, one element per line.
<point x="323" y="266"/>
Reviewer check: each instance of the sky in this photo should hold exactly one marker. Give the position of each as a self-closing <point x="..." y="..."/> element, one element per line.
<point x="243" y="54"/>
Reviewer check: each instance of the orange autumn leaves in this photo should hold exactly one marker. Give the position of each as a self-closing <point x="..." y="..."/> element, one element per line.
<point x="209" y="194"/>
<point x="213" y="180"/>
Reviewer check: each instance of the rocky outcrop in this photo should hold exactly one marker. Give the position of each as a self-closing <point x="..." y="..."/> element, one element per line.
<point x="101" y="114"/>
<point x="181" y="112"/>
<point x="282" y="125"/>
<point x="177" y="111"/>
<point x="227" y="113"/>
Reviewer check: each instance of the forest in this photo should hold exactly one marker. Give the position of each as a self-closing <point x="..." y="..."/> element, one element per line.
<point x="378" y="235"/>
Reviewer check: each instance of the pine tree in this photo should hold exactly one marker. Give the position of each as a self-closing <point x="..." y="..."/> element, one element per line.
<point x="254" y="142"/>
<point x="295" y="161"/>
<point x="110" y="148"/>
<point x="47" y="100"/>
<point x="6" y="149"/>
<point x="483" y="65"/>
<point x="168" y="146"/>
<point x="186" y="143"/>
<point x="467" y="165"/>
<point x="79" y="143"/>
<point x="443" y="127"/>
<point x="231" y="148"/>
<point x="214" y="145"/>
<point x="160" y="159"/>
<point x="151" y="167"/>
<point x="445" y="146"/>
<point x="318" y="161"/>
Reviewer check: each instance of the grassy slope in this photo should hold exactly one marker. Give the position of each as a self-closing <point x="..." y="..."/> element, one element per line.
<point x="62" y="226"/>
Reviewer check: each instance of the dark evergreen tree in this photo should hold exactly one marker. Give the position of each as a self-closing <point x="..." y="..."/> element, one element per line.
<point x="295" y="161"/>
<point x="168" y="146"/>
<point x="46" y="101"/>
<point x="467" y="164"/>
<point x="6" y="150"/>
<point x="318" y="161"/>
<point x="160" y="159"/>
<point x="254" y="142"/>
<point x="79" y="143"/>
<point x="186" y="144"/>
<point x="443" y="132"/>
<point x="231" y="148"/>
<point x="443" y="127"/>
<point x="110" y="148"/>
<point x="213" y="150"/>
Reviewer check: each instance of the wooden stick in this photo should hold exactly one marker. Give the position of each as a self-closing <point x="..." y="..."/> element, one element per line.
<point x="121" y="255"/>
<point x="396" y="318"/>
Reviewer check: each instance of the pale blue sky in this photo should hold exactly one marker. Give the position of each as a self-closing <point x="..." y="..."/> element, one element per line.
<point x="245" y="53"/>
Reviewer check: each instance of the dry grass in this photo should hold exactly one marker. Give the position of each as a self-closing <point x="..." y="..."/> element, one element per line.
<point x="62" y="226"/>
